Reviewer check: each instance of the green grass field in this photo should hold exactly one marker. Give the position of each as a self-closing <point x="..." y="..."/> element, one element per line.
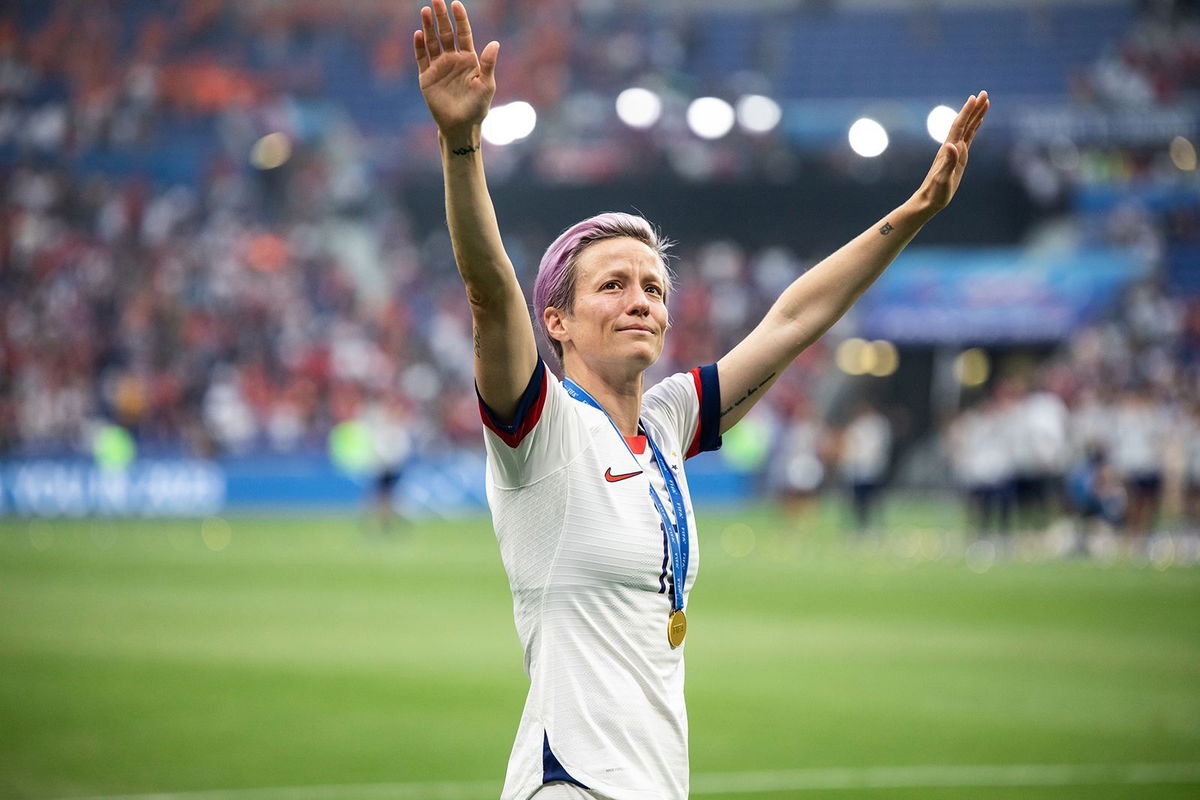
<point x="141" y="657"/>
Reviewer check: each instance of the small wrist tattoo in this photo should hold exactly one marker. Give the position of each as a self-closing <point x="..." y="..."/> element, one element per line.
<point x="466" y="151"/>
<point x="886" y="229"/>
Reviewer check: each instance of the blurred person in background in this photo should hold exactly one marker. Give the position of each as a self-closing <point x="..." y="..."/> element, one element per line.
<point x="1040" y="452"/>
<point x="1096" y="494"/>
<point x="980" y="448"/>
<point x="1141" y="424"/>
<point x="388" y="422"/>
<point x="864" y="451"/>
<point x="798" y="463"/>
<point x="597" y="569"/>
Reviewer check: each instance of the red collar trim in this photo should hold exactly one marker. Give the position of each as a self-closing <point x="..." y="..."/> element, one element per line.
<point x="637" y="444"/>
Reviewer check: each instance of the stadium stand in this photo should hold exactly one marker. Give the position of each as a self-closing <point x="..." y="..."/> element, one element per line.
<point x="211" y="231"/>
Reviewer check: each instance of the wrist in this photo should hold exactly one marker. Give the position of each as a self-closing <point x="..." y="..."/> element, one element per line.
<point x="920" y="207"/>
<point x="461" y="141"/>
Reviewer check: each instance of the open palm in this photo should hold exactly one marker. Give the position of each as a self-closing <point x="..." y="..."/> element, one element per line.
<point x="458" y="86"/>
<point x="946" y="173"/>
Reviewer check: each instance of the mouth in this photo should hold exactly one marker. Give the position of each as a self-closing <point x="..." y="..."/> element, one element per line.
<point x="636" y="329"/>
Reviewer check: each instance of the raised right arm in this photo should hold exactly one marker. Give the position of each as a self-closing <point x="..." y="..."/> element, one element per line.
<point x="458" y="87"/>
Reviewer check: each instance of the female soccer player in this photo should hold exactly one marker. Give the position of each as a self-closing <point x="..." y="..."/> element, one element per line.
<point x="585" y="476"/>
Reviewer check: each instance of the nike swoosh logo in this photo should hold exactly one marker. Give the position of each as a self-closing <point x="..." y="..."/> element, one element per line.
<point x="608" y="476"/>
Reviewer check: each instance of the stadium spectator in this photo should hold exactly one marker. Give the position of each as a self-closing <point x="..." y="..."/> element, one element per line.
<point x="799" y="461"/>
<point x="1141" y="425"/>
<point x="1040" y="452"/>
<point x="865" y="449"/>
<point x="1097" y="497"/>
<point x="980" y="444"/>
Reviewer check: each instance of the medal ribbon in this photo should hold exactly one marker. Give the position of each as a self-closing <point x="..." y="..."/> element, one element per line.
<point x="676" y="532"/>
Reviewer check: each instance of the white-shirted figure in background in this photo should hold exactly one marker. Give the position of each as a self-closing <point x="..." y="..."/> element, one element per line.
<point x="1041" y="450"/>
<point x="388" y="422"/>
<point x="981" y="456"/>
<point x="1137" y="445"/>
<point x="866" y="447"/>
<point x="798" y="463"/>
<point x="585" y="475"/>
<point x="1090" y="424"/>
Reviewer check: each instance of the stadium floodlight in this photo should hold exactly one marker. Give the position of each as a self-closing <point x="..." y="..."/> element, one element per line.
<point x="886" y="359"/>
<point x="509" y="123"/>
<point x="271" y="151"/>
<point x="757" y="113"/>
<point x="972" y="367"/>
<point x="638" y="107"/>
<point x="867" y="137"/>
<point x="1183" y="154"/>
<point x="710" y="117"/>
<point x="851" y="356"/>
<point x="939" y="121"/>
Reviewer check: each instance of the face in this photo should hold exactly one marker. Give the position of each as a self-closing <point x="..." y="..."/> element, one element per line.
<point x="620" y="313"/>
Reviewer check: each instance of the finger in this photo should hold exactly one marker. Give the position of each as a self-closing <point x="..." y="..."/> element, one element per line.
<point x="420" y="52"/>
<point x="978" y="121"/>
<point x="431" y="41"/>
<point x="487" y="60"/>
<point x="445" y="29"/>
<point x="960" y="122"/>
<point x="973" y="118"/>
<point x="463" y="27"/>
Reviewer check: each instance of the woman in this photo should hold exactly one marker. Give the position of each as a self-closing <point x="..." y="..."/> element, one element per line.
<point x="585" y="477"/>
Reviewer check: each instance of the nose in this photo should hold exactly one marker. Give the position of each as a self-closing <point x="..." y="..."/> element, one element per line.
<point x="639" y="303"/>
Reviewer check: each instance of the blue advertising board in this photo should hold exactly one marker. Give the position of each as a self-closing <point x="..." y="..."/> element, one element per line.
<point x="448" y="485"/>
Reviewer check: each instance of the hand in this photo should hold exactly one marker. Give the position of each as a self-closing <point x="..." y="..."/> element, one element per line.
<point x="939" y="186"/>
<point x="458" y="86"/>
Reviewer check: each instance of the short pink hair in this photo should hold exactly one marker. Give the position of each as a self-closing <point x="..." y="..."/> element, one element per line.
<point x="555" y="284"/>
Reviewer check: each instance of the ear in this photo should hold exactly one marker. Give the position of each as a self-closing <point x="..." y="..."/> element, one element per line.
<point x="555" y="322"/>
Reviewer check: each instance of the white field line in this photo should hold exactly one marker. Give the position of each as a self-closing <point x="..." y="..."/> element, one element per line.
<point x="797" y="780"/>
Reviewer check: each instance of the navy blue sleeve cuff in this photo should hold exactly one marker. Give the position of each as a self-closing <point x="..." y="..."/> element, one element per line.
<point x="708" y="429"/>
<point x="529" y="409"/>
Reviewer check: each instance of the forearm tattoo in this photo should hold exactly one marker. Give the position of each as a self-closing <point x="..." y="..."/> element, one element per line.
<point x="466" y="151"/>
<point x="748" y="394"/>
<point x="478" y="345"/>
<point x="886" y="229"/>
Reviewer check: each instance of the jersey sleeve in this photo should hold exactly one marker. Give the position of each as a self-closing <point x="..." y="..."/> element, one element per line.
<point x="690" y="402"/>
<point x="543" y="436"/>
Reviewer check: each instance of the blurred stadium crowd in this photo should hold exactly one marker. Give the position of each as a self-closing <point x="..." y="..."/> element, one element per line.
<point x="202" y="240"/>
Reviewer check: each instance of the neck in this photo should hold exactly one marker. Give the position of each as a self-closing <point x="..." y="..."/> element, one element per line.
<point x="619" y="395"/>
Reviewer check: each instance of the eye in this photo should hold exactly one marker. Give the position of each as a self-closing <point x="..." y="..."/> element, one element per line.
<point x="655" y="288"/>
<point x="611" y="285"/>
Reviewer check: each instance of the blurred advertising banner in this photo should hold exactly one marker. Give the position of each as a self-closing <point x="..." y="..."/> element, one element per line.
<point x="992" y="295"/>
<point x="443" y="486"/>
<point x="166" y="488"/>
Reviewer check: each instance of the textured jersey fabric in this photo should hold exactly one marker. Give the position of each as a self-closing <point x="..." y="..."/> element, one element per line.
<point x="588" y="565"/>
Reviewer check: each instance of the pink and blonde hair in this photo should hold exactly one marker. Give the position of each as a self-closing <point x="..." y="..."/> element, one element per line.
<point x="555" y="284"/>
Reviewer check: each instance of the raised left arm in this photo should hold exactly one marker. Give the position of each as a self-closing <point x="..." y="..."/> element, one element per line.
<point x="820" y="296"/>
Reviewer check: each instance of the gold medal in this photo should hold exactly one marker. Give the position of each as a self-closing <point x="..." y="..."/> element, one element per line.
<point x="676" y="628"/>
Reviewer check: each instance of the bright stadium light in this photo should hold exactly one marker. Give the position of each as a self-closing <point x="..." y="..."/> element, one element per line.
<point x="868" y="138"/>
<point x="939" y="121"/>
<point x="851" y="356"/>
<point x="710" y="117"/>
<point x="638" y="107"/>
<point x="886" y="360"/>
<point x="1183" y="154"/>
<point x="271" y="151"/>
<point x="972" y="367"/>
<point x="507" y="123"/>
<point x="757" y="113"/>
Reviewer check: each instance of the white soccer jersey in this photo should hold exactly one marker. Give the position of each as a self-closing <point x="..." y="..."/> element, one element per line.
<point x="589" y="568"/>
